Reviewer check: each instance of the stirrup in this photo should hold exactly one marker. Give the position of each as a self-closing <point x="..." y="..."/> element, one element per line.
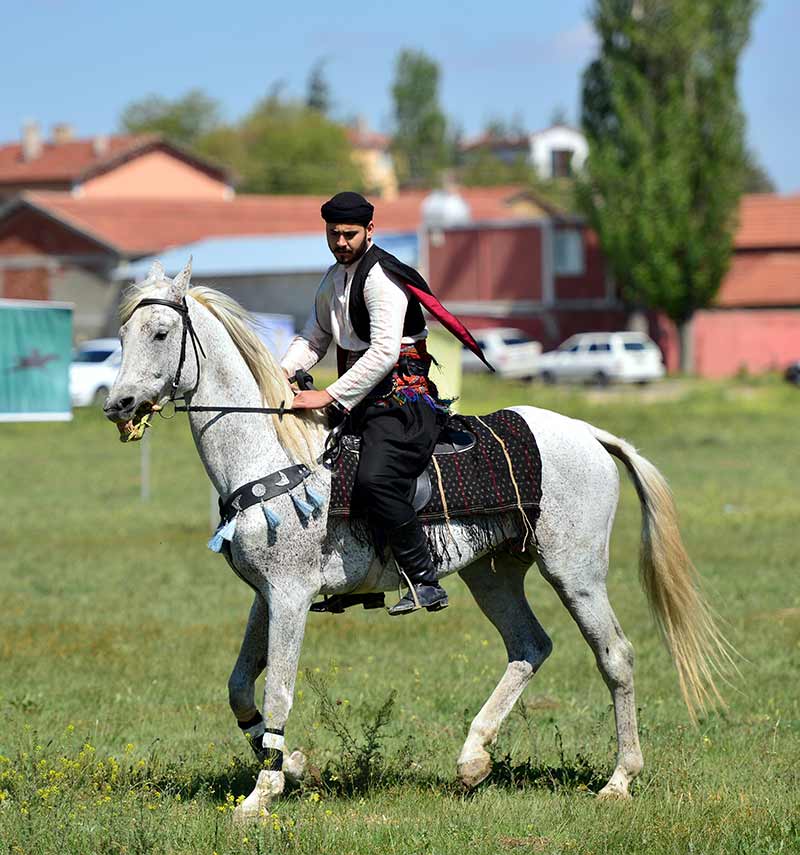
<point x="432" y="598"/>
<point x="339" y="602"/>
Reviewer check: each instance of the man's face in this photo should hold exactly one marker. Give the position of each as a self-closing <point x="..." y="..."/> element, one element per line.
<point x="348" y="241"/>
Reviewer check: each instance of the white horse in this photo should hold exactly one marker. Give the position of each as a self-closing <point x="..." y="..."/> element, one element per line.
<point x="200" y="346"/>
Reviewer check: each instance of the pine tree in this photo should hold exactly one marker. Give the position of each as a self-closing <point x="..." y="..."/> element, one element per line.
<point x="667" y="155"/>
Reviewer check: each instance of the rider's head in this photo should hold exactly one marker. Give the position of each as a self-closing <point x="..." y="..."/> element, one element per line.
<point x="348" y="226"/>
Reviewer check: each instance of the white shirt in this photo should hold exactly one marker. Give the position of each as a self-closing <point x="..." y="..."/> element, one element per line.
<point x="329" y="321"/>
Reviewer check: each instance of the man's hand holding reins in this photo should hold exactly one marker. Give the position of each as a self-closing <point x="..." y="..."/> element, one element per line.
<point x="311" y="400"/>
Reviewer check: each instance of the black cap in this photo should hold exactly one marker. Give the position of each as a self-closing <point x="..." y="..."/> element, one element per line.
<point x="348" y="207"/>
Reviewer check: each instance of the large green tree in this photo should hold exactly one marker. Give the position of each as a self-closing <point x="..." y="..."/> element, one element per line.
<point x="666" y="139"/>
<point x="420" y="146"/>
<point x="288" y="147"/>
<point x="183" y="120"/>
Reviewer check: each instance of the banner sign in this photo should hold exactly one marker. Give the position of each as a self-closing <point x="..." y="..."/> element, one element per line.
<point x="35" y="354"/>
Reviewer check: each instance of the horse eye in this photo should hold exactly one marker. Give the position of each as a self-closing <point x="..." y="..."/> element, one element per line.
<point x="160" y="335"/>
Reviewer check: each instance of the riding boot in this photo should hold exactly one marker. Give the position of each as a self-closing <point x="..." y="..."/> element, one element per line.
<point x="414" y="561"/>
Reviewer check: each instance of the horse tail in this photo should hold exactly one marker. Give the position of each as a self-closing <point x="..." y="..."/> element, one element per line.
<point x="672" y="585"/>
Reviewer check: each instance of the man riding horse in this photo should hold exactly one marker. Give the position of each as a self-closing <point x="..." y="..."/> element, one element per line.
<point x="370" y="305"/>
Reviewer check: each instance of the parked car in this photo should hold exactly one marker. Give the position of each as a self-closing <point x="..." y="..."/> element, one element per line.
<point x="93" y="370"/>
<point x="792" y="373"/>
<point x="601" y="358"/>
<point x="512" y="352"/>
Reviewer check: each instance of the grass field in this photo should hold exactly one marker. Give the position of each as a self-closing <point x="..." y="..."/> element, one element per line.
<point x="118" y="630"/>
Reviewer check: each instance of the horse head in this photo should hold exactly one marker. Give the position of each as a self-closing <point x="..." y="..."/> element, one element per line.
<point x="154" y="345"/>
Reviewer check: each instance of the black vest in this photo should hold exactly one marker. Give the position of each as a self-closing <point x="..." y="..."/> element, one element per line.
<point x="397" y="271"/>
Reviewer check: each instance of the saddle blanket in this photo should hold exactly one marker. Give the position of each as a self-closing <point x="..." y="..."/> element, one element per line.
<point x="499" y="474"/>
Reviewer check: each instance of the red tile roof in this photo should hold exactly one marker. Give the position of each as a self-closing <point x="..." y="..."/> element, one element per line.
<point x="762" y="279"/>
<point x="768" y="221"/>
<point x="75" y="160"/>
<point x="136" y="227"/>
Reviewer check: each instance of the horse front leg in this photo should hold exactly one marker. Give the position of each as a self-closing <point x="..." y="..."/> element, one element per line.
<point x="288" y="611"/>
<point x="242" y="683"/>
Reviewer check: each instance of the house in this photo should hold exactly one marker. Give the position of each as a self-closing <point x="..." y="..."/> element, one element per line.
<point x="545" y="275"/>
<point x="754" y="324"/>
<point x="371" y="151"/>
<point x="558" y="151"/>
<point x="141" y="166"/>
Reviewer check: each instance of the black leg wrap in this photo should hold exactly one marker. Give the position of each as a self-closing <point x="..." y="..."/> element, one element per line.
<point x="256" y="719"/>
<point x="272" y="759"/>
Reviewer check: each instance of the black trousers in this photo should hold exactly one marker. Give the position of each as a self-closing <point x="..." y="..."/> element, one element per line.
<point x="397" y="442"/>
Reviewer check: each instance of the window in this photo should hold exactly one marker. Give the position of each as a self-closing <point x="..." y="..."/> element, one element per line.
<point x="515" y="340"/>
<point x="92" y="355"/>
<point x="635" y="345"/>
<point x="568" y="253"/>
<point x="561" y="162"/>
<point x="599" y="346"/>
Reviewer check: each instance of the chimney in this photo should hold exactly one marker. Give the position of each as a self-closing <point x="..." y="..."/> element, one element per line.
<point x="100" y="145"/>
<point x="62" y="133"/>
<point x="31" y="141"/>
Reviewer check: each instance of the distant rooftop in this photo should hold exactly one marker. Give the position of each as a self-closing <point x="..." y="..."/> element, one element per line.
<point x="252" y="256"/>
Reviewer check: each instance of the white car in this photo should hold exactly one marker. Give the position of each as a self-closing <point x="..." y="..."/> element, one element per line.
<point x="600" y="358"/>
<point x="512" y="352"/>
<point x="93" y="370"/>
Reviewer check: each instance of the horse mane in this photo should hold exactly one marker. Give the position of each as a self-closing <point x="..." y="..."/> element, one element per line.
<point x="301" y="436"/>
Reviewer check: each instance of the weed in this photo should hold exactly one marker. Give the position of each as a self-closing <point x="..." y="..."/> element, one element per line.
<point x="362" y="762"/>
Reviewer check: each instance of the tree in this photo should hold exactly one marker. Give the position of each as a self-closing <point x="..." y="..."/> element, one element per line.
<point x="184" y="120"/>
<point x="756" y="178"/>
<point x="421" y="147"/>
<point x="319" y="95"/>
<point x="666" y="151"/>
<point x="289" y="148"/>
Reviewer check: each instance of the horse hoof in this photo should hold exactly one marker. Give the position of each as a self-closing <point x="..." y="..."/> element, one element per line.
<point x="256" y="805"/>
<point x="614" y="791"/>
<point x="475" y="770"/>
<point x="294" y="767"/>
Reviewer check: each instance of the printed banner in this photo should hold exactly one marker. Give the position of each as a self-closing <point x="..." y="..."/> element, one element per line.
<point x="35" y="353"/>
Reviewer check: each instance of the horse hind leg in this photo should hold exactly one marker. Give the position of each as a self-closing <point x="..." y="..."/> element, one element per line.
<point x="500" y="594"/>
<point x="583" y="592"/>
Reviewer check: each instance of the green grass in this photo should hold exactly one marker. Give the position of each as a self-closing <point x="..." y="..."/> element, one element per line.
<point x="118" y="630"/>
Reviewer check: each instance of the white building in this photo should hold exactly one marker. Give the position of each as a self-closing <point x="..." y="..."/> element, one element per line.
<point x="558" y="151"/>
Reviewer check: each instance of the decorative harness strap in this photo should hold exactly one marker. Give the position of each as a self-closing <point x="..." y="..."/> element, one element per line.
<point x="262" y="490"/>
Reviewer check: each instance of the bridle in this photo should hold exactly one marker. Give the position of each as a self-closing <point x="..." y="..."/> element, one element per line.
<point x="189" y="332"/>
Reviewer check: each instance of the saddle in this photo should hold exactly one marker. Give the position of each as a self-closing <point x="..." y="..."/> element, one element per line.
<point x="452" y="440"/>
<point x="482" y="466"/>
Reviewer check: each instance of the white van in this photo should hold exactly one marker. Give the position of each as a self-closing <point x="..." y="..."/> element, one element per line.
<point x="602" y="358"/>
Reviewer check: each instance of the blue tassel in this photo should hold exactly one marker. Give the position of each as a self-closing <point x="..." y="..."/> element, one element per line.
<point x="314" y="497"/>
<point x="223" y="532"/>
<point x="273" y="520"/>
<point x="303" y="508"/>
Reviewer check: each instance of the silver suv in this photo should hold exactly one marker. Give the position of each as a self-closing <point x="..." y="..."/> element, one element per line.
<point x="602" y="358"/>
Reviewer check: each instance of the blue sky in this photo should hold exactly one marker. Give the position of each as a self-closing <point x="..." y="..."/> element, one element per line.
<point x="82" y="61"/>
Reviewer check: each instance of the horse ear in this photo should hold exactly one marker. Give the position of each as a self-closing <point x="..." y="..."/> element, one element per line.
<point x="155" y="273"/>
<point x="180" y="284"/>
